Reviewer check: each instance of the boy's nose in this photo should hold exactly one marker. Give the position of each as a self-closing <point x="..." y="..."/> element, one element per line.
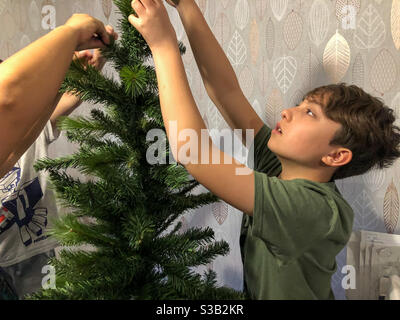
<point x="285" y="114"/>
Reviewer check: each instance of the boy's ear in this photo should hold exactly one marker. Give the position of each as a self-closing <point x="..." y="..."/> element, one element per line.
<point x="338" y="158"/>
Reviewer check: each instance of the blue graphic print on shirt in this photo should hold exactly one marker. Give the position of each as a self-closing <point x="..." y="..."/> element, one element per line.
<point x="21" y="210"/>
<point x="10" y="181"/>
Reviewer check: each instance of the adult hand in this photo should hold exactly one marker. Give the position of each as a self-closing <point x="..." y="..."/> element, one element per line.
<point x="94" y="58"/>
<point x="87" y="57"/>
<point x="153" y="22"/>
<point x="91" y="32"/>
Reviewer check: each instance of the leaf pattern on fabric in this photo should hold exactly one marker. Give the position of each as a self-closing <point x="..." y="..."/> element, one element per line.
<point x="371" y="30"/>
<point x="107" y="6"/>
<point x="285" y="70"/>
<point x="279" y="8"/>
<point x="318" y="22"/>
<point x="220" y="211"/>
<point x="383" y="75"/>
<point x="293" y="30"/>
<point x="391" y="208"/>
<point x="395" y="23"/>
<point x="237" y="50"/>
<point x="270" y="39"/>
<point x="358" y="72"/>
<point x="242" y="14"/>
<point x="337" y="57"/>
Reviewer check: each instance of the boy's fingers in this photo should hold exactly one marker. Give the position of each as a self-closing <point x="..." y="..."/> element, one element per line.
<point x="133" y="20"/>
<point x="138" y="6"/>
<point x="145" y="3"/>
<point x="173" y="3"/>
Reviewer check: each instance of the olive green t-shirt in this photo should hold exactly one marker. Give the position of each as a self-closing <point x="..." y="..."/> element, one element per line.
<point x="297" y="229"/>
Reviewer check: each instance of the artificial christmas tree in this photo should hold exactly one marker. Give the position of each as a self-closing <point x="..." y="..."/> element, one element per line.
<point x="132" y="205"/>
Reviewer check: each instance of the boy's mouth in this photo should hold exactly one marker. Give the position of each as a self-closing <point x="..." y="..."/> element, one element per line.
<point x="278" y="129"/>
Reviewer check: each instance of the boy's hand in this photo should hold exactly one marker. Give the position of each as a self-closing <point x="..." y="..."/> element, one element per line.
<point x="153" y="22"/>
<point x="173" y="3"/>
<point x="91" y="32"/>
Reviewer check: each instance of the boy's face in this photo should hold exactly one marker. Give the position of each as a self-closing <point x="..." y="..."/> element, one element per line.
<point x="305" y="137"/>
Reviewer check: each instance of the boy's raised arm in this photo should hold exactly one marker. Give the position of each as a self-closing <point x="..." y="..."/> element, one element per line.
<point x="230" y="181"/>
<point x="216" y="71"/>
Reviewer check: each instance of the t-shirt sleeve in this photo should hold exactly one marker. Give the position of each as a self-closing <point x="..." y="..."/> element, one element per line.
<point x="50" y="133"/>
<point x="261" y="158"/>
<point x="290" y="216"/>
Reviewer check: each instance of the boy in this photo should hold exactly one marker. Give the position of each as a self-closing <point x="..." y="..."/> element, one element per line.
<point x="27" y="203"/>
<point x="295" y="221"/>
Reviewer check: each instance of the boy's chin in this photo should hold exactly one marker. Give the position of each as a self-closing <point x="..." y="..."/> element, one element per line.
<point x="278" y="150"/>
<point x="273" y="146"/>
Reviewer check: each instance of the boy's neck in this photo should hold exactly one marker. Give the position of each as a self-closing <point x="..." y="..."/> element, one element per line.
<point x="292" y="171"/>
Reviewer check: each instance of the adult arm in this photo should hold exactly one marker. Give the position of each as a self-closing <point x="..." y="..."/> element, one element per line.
<point x="31" y="78"/>
<point x="68" y="101"/>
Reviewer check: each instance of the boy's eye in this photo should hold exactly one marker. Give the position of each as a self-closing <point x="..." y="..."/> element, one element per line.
<point x="309" y="110"/>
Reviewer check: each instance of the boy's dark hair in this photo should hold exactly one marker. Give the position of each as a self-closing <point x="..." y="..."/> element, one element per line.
<point x="368" y="128"/>
<point x="1" y="61"/>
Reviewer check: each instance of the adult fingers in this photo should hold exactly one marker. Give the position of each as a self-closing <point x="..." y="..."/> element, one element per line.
<point x="110" y="31"/>
<point x="98" y="60"/>
<point x="83" y="55"/>
<point x="102" y="33"/>
<point x="94" y="43"/>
